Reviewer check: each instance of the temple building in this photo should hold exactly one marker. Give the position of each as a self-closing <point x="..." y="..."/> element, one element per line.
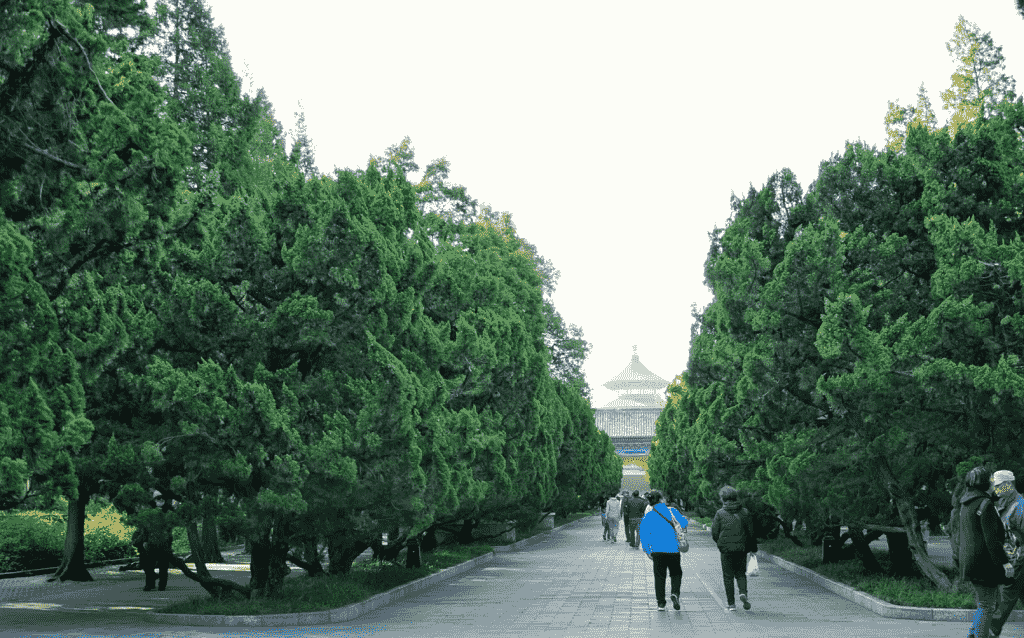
<point x="629" y="419"/>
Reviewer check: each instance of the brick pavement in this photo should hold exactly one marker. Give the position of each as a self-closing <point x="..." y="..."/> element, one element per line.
<point x="569" y="584"/>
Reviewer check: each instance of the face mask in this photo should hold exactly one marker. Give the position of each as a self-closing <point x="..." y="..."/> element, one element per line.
<point x="1003" y="489"/>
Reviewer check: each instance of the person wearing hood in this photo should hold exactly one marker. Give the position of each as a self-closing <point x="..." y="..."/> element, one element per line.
<point x="658" y="539"/>
<point x="1010" y="507"/>
<point x="978" y="549"/>
<point x="634" y="508"/>
<point x="733" y="532"/>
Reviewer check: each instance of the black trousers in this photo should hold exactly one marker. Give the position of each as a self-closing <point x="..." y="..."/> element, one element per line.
<point x="152" y="560"/>
<point x="734" y="567"/>
<point x="1008" y="597"/>
<point x="666" y="561"/>
<point x="631" y="532"/>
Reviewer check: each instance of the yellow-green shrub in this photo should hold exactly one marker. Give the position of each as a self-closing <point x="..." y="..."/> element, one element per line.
<point x="32" y="539"/>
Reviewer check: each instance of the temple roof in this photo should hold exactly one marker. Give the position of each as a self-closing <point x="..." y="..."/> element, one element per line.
<point x="636" y="377"/>
<point x="636" y="401"/>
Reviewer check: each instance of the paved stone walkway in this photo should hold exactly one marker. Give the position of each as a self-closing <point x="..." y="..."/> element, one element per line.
<point x="570" y="584"/>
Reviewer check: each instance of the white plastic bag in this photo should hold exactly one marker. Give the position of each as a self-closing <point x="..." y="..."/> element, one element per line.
<point x="752" y="568"/>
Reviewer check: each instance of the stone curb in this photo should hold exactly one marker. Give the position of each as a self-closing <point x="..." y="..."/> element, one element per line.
<point x="53" y="570"/>
<point x="341" y="614"/>
<point x="880" y="607"/>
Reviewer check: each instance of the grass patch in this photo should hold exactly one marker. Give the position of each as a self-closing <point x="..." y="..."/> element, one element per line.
<point x="915" y="591"/>
<point x="300" y="594"/>
<point x="304" y="594"/>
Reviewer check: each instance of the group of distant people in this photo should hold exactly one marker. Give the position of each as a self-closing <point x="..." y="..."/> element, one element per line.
<point x="650" y="525"/>
<point x="986" y="531"/>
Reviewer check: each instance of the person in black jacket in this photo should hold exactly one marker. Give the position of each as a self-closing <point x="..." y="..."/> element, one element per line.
<point x="153" y="540"/>
<point x="733" y="531"/>
<point x="604" y="519"/>
<point x="978" y="547"/>
<point x="634" y="509"/>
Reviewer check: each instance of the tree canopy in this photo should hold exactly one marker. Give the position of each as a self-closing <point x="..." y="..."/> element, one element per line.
<point x="194" y="311"/>
<point x="864" y="339"/>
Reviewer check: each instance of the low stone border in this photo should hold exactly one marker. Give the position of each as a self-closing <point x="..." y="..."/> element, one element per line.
<point x="341" y="614"/>
<point x="53" y="570"/>
<point x="880" y="607"/>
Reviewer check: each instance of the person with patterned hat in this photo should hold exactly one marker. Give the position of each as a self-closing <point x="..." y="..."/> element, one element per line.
<point x="1010" y="506"/>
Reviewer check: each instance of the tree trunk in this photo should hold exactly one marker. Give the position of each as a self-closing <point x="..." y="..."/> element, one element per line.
<point x="216" y="587"/>
<point x="72" y="566"/>
<point x="863" y="549"/>
<point x="195" y="543"/>
<point x="310" y="560"/>
<point x="211" y="544"/>
<point x="899" y="553"/>
<point x="311" y="550"/>
<point x="341" y="551"/>
<point x="429" y="542"/>
<point x="465" y="534"/>
<point x="412" y="555"/>
<point x="908" y="516"/>
<point x="268" y="567"/>
<point x="788" y="532"/>
<point x="389" y="552"/>
<point x="830" y="545"/>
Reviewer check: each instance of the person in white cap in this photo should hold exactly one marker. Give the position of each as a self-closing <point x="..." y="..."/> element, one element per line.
<point x="1010" y="506"/>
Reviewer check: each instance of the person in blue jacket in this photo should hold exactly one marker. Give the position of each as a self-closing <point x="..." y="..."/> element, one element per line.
<point x="658" y="539"/>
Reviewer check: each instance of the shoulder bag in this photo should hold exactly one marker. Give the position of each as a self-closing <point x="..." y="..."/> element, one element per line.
<point x="684" y="545"/>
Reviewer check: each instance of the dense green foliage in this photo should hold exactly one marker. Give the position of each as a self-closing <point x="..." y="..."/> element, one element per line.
<point x="887" y="585"/>
<point x="194" y="310"/>
<point x="864" y="339"/>
<point x="31" y="539"/>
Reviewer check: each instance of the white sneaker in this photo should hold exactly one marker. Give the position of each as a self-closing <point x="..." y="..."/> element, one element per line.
<point x="731" y="608"/>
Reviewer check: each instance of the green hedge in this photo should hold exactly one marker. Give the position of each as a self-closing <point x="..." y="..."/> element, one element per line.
<point x="34" y="539"/>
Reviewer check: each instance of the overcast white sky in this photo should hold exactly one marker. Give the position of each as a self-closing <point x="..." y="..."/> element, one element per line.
<point x="613" y="133"/>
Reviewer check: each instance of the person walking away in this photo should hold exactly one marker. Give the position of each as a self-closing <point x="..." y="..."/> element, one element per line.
<point x="954" y="542"/>
<point x="635" y="510"/>
<point x="626" y="500"/>
<point x="1010" y="507"/>
<point x="733" y="532"/>
<point x="979" y="548"/>
<point x="604" y="520"/>
<point x="658" y="540"/>
<point x="649" y="507"/>
<point x="614" y="513"/>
